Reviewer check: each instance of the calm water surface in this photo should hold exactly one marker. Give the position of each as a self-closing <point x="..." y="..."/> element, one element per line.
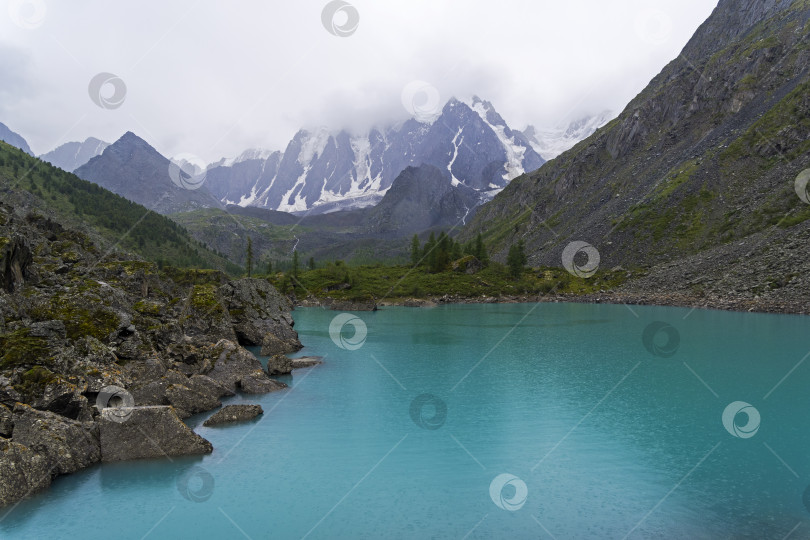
<point x="601" y="437"/>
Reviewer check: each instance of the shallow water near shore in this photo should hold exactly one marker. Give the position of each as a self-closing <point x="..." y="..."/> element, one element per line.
<point x="610" y="435"/>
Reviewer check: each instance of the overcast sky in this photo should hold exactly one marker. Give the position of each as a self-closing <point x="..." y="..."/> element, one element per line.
<point x="214" y="78"/>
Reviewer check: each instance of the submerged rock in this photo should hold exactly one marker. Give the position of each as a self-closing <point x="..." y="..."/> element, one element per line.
<point x="234" y="413"/>
<point x="306" y="361"/>
<point x="148" y="432"/>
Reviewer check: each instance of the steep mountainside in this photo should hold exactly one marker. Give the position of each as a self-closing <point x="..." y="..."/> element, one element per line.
<point x="323" y="172"/>
<point x="14" y="139"/>
<point x="113" y="222"/>
<point x="421" y="199"/>
<point x="70" y="156"/>
<point x="133" y="169"/>
<point x="703" y="161"/>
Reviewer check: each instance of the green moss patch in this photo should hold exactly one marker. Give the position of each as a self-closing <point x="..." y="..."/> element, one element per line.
<point x="20" y="349"/>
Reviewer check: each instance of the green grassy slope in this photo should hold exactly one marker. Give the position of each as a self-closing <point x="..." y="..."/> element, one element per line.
<point x="115" y="221"/>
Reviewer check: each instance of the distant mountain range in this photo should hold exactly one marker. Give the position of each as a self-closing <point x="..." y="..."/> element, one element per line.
<point x="70" y="156"/>
<point x="322" y="171"/>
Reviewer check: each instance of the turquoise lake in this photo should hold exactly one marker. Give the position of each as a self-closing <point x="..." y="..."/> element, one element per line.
<point x="603" y="430"/>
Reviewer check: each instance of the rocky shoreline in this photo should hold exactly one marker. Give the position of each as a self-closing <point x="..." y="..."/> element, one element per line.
<point x="103" y="356"/>
<point x="621" y="297"/>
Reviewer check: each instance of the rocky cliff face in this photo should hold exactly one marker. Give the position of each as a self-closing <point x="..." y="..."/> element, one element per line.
<point x="96" y="348"/>
<point x="703" y="160"/>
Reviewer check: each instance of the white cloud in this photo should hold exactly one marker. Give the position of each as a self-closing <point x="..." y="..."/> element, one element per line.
<point x="213" y="79"/>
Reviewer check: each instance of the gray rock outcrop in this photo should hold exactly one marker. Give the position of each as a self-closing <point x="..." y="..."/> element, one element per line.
<point x="234" y="413"/>
<point x="23" y="472"/>
<point x="67" y="445"/>
<point x="148" y="432"/>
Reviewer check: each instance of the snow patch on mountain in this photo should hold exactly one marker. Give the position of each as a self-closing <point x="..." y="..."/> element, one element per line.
<point x="247" y="155"/>
<point x="514" y="150"/>
<point x="552" y="142"/>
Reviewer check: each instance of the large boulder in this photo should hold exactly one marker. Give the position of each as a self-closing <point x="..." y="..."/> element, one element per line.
<point x="279" y="364"/>
<point x="60" y="397"/>
<point x="205" y="320"/>
<point x="8" y="394"/>
<point x="232" y="362"/>
<point x="207" y="385"/>
<point x="68" y="445"/>
<point x="234" y="413"/>
<point x="257" y="311"/>
<point x="272" y="345"/>
<point x="23" y="472"/>
<point x="190" y="401"/>
<point x="148" y="432"/>
<point x="154" y="393"/>
<point x="257" y="382"/>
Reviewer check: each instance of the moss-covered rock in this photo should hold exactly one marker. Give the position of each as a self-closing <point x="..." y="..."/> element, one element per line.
<point x="19" y="348"/>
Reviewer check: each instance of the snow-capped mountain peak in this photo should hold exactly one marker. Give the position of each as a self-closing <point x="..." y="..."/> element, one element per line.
<point x="552" y="142"/>
<point x="322" y="171"/>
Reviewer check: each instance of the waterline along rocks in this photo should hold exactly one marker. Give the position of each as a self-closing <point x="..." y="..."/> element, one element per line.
<point x="103" y="354"/>
<point x="234" y="413"/>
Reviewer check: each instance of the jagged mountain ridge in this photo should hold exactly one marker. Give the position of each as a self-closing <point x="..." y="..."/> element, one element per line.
<point x="14" y="139"/>
<point x="130" y="167"/>
<point x="322" y="171"/>
<point x="699" y="167"/>
<point x="72" y="155"/>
